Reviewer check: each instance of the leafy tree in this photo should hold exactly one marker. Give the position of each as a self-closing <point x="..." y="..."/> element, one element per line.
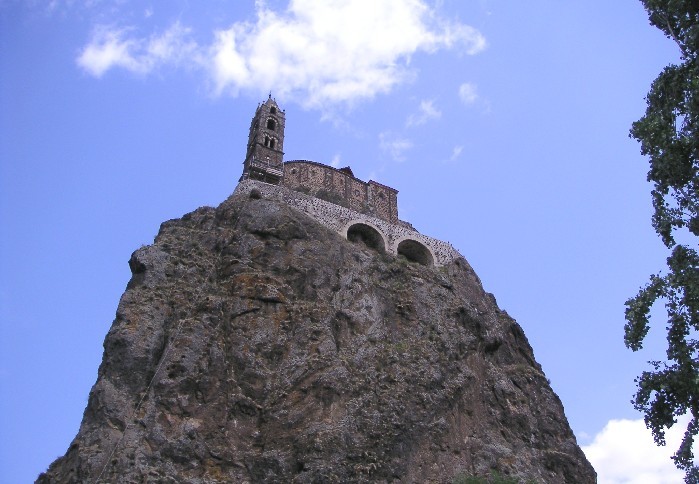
<point x="669" y="136"/>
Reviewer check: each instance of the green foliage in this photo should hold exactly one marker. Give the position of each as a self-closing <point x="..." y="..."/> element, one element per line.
<point x="669" y="136"/>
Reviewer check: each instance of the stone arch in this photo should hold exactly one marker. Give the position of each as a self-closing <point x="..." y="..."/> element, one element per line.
<point x="271" y="124"/>
<point x="415" y="251"/>
<point x="270" y="142"/>
<point x="371" y="236"/>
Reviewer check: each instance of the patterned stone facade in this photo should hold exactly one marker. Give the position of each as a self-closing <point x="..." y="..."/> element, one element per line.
<point x="341" y="187"/>
<point x="395" y="238"/>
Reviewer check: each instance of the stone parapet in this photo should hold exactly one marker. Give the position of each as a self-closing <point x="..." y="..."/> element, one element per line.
<point x="398" y="238"/>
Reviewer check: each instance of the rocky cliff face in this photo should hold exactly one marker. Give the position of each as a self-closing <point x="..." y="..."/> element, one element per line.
<point x="254" y="345"/>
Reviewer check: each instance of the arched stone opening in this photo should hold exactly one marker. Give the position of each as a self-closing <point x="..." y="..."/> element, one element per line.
<point x="414" y="251"/>
<point x="366" y="234"/>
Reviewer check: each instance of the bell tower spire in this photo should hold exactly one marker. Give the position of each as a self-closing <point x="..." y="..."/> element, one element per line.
<point x="264" y="157"/>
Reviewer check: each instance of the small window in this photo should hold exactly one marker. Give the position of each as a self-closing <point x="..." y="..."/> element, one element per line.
<point x="267" y="141"/>
<point x="271" y="143"/>
<point x="271" y="124"/>
<point x="272" y="110"/>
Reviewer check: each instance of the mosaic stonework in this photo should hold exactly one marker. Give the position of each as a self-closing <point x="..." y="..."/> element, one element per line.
<point x="342" y="220"/>
<point x="339" y="186"/>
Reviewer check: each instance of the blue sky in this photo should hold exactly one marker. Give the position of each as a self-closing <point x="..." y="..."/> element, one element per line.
<point x="503" y="124"/>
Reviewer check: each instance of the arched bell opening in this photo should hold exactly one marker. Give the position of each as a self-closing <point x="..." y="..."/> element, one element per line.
<point x="367" y="235"/>
<point x="414" y="251"/>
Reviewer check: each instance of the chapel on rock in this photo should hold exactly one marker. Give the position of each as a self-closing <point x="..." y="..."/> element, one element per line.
<point x="357" y="210"/>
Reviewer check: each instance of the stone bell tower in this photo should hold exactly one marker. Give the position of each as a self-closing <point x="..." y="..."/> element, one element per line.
<point x="264" y="157"/>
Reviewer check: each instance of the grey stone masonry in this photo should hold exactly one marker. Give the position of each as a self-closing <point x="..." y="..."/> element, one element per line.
<point x="264" y="154"/>
<point x="395" y="238"/>
<point x="341" y="187"/>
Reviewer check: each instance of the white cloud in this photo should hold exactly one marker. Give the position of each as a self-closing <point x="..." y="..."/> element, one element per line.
<point x="333" y="51"/>
<point x="467" y="93"/>
<point x="394" y="145"/>
<point x="317" y="53"/>
<point x="624" y="453"/>
<point x="456" y="152"/>
<point x="335" y="163"/>
<point x="427" y="112"/>
<point x="106" y="50"/>
<point x="110" y="48"/>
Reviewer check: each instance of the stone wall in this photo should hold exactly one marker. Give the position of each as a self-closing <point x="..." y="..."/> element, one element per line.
<point x="341" y="188"/>
<point x="385" y="200"/>
<point x="341" y="219"/>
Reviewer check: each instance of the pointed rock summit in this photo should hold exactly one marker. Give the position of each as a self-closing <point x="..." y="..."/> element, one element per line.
<point x="295" y="335"/>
